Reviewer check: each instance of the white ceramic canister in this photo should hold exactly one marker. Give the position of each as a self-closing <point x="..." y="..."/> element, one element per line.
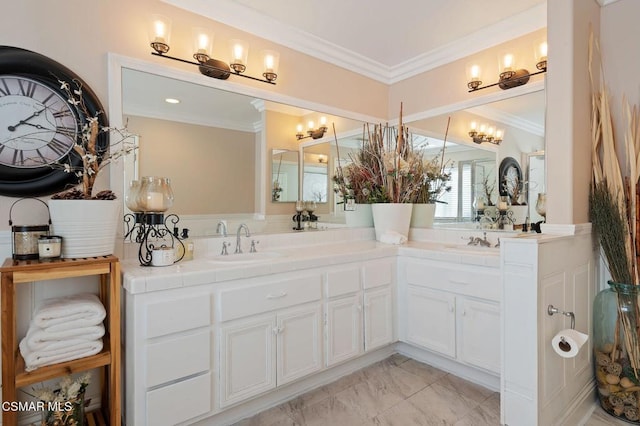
<point x="163" y="256"/>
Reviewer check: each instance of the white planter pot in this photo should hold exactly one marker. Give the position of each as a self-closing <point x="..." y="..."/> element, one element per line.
<point x="422" y="215"/>
<point x="87" y="227"/>
<point x="361" y="217"/>
<point x="391" y="217"/>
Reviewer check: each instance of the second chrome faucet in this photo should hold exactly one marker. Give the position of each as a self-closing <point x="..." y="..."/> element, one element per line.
<point x="246" y="232"/>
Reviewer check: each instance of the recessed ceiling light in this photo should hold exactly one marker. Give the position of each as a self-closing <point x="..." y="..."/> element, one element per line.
<point x="172" y="101"/>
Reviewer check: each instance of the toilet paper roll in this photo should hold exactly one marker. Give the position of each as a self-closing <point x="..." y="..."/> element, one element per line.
<point x="567" y="343"/>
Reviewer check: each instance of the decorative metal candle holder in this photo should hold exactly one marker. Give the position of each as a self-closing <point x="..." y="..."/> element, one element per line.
<point x="152" y="231"/>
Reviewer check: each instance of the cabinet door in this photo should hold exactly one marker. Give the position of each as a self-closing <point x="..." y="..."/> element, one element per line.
<point x="299" y="342"/>
<point x="247" y="358"/>
<point x="344" y="329"/>
<point x="378" y="318"/>
<point x="480" y="334"/>
<point x="431" y="321"/>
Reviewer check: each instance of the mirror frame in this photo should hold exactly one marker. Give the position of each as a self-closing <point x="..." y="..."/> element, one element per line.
<point x="116" y="62"/>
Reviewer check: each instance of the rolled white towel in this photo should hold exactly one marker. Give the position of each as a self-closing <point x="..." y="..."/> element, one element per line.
<point x="393" y="237"/>
<point x="35" y="359"/>
<point x="38" y="339"/>
<point x="67" y="313"/>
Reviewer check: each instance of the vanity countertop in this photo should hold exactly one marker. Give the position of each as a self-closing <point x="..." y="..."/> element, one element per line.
<point x="209" y="269"/>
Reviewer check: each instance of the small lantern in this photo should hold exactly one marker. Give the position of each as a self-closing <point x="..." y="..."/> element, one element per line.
<point x="24" y="241"/>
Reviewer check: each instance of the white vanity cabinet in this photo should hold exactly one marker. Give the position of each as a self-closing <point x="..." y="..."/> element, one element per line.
<point x="168" y="352"/>
<point x="452" y="309"/>
<point x="343" y="314"/>
<point x="270" y="333"/>
<point x="379" y="288"/>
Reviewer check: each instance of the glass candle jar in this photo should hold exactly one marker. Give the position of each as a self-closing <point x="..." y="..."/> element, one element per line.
<point x="49" y="246"/>
<point x="155" y="195"/>
<point x="131" y="199"/>
<point x="541" y="205"/>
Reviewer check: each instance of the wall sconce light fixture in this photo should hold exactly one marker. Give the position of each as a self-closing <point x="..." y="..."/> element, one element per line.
<point x="485" y="133"/>
<point x="311" y="131"/>
<point x="159" y="36"/>
<point x="510" y="75"/>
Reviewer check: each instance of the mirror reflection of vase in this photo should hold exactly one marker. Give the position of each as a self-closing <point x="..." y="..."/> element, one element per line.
<point x="541" y="205"/>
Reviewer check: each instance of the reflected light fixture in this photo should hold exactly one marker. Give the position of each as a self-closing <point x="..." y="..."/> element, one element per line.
<point x="159" y="36"/>
<point x="510" y="75"/>
<point x="485" y="133"/>
<point x="172" y="101"/>
<point x="311" y="131"/>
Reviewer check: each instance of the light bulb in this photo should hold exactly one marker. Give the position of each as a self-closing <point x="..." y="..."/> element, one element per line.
<point x="474" y="72"/>
<point x="323" y="121"/>
<point x="508" y="62"/>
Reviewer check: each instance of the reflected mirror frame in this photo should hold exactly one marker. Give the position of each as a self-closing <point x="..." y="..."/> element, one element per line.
<point x="281" y="190"/>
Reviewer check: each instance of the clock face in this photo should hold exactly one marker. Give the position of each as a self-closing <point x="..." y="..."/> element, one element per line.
<point x="38" y="126"/>
<point x="510" y="176"/>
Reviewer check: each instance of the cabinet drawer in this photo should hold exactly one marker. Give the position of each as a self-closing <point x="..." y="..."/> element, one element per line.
<point x="343" y="281"/>
<point x="178" y="315"/>
<point x="246" y="301"/>
<point x="377" y="274"/>
<point x="179" y="402"/>
<point x="178" y="357"/>
<point x="461" y="279"/>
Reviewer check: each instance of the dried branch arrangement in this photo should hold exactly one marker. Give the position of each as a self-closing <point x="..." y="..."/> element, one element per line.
<point x="388" y="169"/>
<point x="614" y="208"/>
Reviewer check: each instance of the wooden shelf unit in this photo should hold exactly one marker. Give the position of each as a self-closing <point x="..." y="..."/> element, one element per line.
<point x="14" y="375"/>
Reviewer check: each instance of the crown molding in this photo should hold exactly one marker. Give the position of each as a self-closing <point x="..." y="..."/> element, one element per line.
<point x="514" y="27"/>
<point x="509" y="119"/>
<point x="198" y="121"/>
<point x="246" y="19"/>
<point x="603" y="3"/>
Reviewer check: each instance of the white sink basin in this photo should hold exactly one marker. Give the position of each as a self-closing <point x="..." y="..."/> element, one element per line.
<point x="235" y="259"/>
<point x="465" y="249"/>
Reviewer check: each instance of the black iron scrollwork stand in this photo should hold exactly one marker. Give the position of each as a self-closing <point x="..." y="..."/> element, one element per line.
<point x="151" y="230"/>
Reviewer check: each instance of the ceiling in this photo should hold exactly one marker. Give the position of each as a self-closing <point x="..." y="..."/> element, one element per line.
<point x="385" y="40"/>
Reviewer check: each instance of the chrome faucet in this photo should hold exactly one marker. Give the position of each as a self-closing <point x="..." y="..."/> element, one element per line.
<point x="221" y="228"/>
<point x="246" y="232"/>
<point x="478" y="241"/>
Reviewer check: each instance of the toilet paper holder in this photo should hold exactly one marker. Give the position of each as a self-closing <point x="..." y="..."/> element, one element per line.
<point x="553" y="310"/>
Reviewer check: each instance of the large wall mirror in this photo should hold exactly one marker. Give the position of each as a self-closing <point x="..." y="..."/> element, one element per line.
<point x="223" y="145"/>
<point x="218" y="146"/>
<point x="475" y="166"/>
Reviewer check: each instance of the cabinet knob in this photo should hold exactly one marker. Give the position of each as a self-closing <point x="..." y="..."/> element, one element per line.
<point x="278" y="330"/>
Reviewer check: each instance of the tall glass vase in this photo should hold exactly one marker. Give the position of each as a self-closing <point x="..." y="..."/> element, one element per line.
<point x="616" y="321"/>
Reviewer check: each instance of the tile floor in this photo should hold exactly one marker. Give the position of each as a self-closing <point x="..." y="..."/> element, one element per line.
<point x="397" y="391"/>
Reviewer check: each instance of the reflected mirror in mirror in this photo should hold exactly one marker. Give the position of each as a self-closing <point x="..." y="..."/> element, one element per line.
<point x="284" y="167"/>
<point x="315" y="177"/>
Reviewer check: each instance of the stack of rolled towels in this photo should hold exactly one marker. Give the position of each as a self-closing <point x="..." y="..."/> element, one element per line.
<point x="64" y="329"/>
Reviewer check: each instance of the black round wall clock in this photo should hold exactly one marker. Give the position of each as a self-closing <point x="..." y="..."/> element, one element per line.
<point x="510" y="176"/>
<point x="38" y="125"/>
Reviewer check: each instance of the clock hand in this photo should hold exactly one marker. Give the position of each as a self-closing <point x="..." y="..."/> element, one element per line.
<point x="37" y="126"/>
<point x="13" y="128"/>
